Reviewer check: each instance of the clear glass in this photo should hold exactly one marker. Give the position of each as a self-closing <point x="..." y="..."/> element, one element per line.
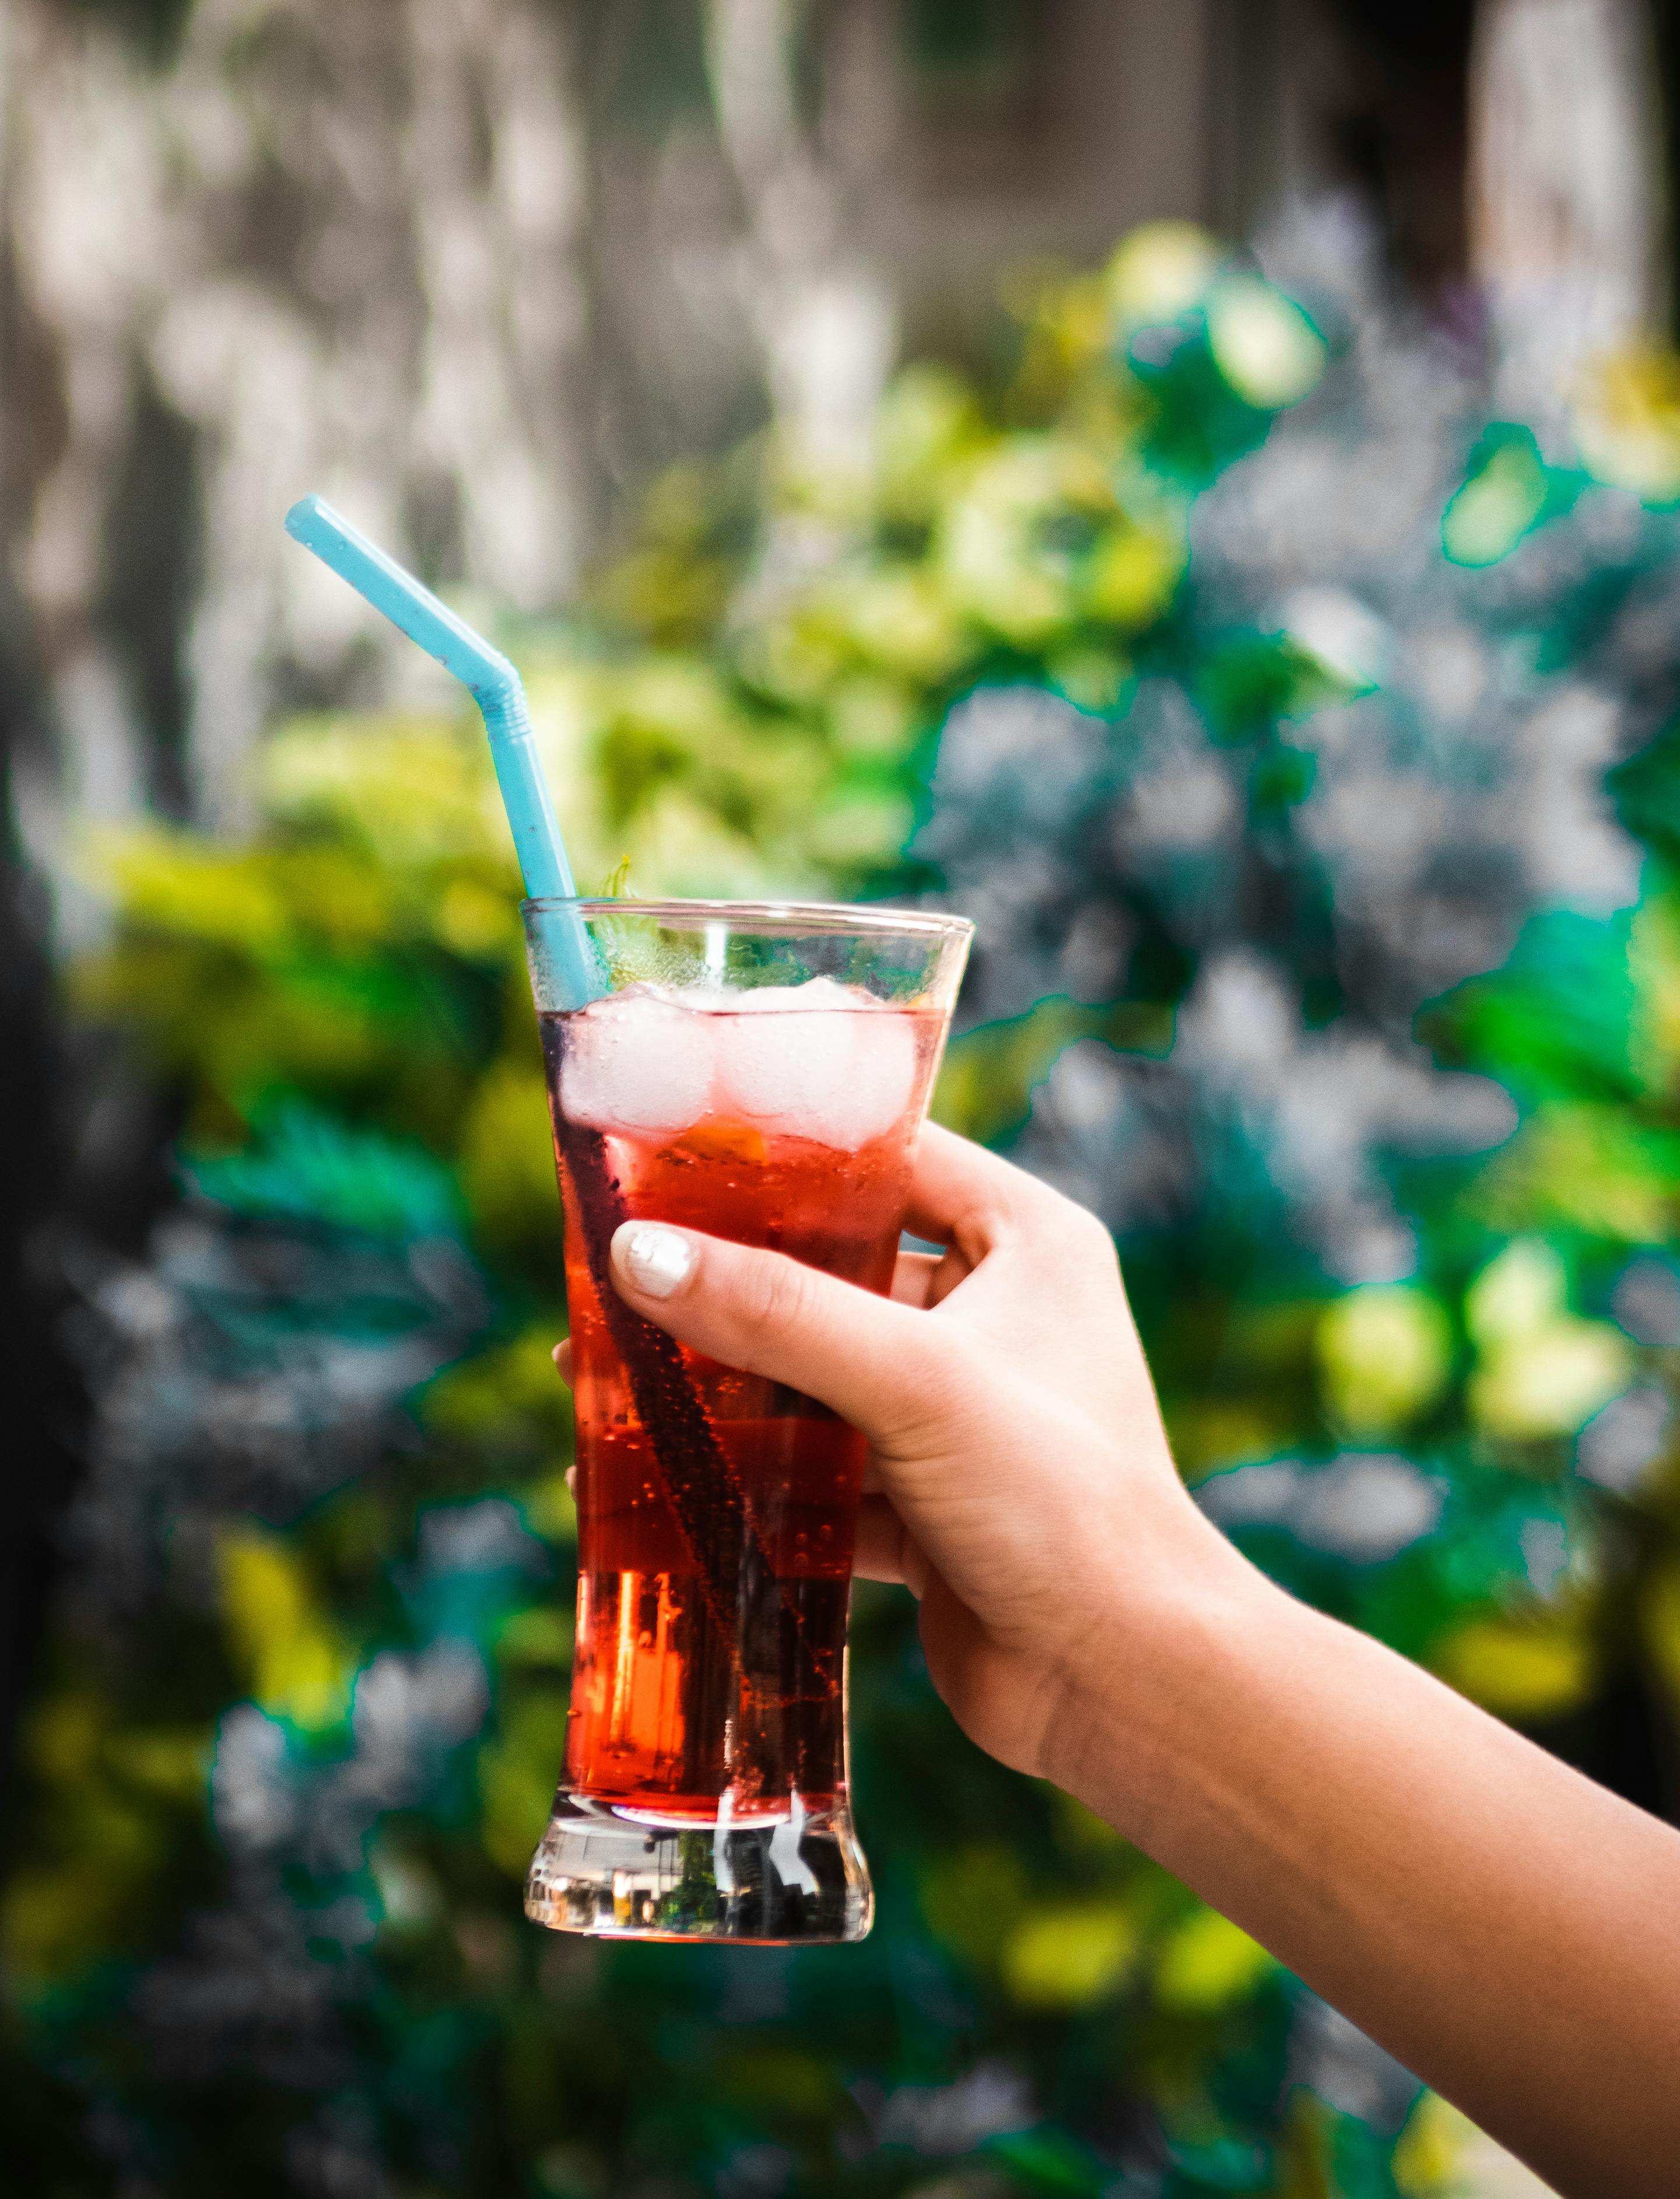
<point x="760" y="1073"/>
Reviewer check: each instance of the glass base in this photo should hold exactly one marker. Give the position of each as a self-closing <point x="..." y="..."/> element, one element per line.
<point x="797" y="1880"/>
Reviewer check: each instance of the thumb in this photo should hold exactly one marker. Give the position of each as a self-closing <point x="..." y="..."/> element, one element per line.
<point x="865" y="1355"/>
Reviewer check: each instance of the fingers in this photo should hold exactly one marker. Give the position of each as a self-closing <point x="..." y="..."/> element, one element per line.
<point x="954" y="1189"/>
<point x="871" y="1360"/>
<point x="877" y="1554"/>
<point x="963" y="1196"/>
<point x="928" y="1279"/>
<point x="913" y="1277"/>
<point x="884" y="1551"/>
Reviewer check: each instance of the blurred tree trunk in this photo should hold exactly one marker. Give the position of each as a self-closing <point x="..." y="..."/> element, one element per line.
<point x="1565" y="188"/>
<point x="822" y="319"/>
<point x="1398" y="123"/>
<point x="328" y="244"/>
<point x="42" y="1403"/>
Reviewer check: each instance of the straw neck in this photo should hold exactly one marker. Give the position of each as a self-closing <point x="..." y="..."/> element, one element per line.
<point x="525" y="795"/>
<point x="494" y="684"/>
<point x="568" y="958"/>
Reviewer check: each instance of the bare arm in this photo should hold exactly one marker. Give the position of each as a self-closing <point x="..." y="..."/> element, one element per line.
<point x="1510" y="1931"/>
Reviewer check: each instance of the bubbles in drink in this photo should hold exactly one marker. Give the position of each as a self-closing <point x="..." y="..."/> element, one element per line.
<point x="820" y="1061"/>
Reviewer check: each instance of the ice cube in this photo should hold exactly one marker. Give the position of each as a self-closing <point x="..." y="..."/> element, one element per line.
<point x="879" y="1083"/>
<point x="637" y="1062"/>
<point x="782" y="1054"/>
<point x="820" y="1061"/>
<point x="814" y="992"/>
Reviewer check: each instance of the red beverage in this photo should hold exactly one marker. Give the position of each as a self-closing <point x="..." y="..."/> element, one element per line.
<point x="758" y="1072"/>
<point x="716" y="1510"/>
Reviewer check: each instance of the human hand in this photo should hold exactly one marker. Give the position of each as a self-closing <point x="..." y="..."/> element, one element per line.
<point x="1020" y="1482"/>
<point x="1414" y="1863"/>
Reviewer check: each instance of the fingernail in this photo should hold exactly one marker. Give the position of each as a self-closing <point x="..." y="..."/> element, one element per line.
<point x="657" y="1262"/>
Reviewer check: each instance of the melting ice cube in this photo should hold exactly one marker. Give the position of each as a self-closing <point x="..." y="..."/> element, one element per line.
<point x="820" y="1061"/>
<point x="635" y="1062"/>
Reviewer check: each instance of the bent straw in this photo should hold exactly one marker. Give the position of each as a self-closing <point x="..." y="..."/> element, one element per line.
<point x="496" y="688"/>
<point x="706" y="1493"/>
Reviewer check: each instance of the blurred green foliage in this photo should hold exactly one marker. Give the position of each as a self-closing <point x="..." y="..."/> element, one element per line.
<point x="751" y="707"/>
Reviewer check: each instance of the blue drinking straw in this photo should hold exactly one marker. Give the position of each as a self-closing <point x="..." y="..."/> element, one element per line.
<point x="496" y="688"/>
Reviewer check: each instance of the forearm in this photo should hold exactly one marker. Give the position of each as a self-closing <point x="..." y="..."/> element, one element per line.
<point x="1509" y="1931"/>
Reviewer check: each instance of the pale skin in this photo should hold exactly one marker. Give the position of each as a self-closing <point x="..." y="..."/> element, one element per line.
<point x="1505" y="1928"/>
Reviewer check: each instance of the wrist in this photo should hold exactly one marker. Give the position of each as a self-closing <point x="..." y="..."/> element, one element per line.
<point x="1168" y="1635"/>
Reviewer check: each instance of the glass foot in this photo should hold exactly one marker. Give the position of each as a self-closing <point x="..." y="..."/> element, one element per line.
<point x="795" y="1880"/>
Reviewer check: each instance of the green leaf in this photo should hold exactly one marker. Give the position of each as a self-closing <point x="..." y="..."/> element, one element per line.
<point x="1505" y="493"/>
<point x="306" y="1165"/>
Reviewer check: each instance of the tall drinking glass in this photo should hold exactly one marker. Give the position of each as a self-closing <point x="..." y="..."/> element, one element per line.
<point x="760" y="1073"/>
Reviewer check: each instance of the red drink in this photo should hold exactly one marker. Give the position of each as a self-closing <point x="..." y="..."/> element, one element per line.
<point x="760" y="1074"/>
<point x="710" y="1660"/>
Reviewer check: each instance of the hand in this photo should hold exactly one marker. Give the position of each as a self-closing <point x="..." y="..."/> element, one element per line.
<point x="1019" y="1482"/>
<point x="1423" y="1868"/>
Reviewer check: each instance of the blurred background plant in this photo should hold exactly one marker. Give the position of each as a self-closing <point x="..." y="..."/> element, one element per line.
<point x="1287" y="696"/>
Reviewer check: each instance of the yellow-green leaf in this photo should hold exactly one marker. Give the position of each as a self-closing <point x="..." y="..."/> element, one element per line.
<point x="1207" y="1964"/>
<point x="1068" y="1957"/>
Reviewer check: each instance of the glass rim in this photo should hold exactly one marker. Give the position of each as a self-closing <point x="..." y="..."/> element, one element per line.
<point x="818" y="916"/>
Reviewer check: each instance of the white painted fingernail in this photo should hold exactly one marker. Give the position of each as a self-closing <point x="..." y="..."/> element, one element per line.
<point x="657" y="1262"/>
